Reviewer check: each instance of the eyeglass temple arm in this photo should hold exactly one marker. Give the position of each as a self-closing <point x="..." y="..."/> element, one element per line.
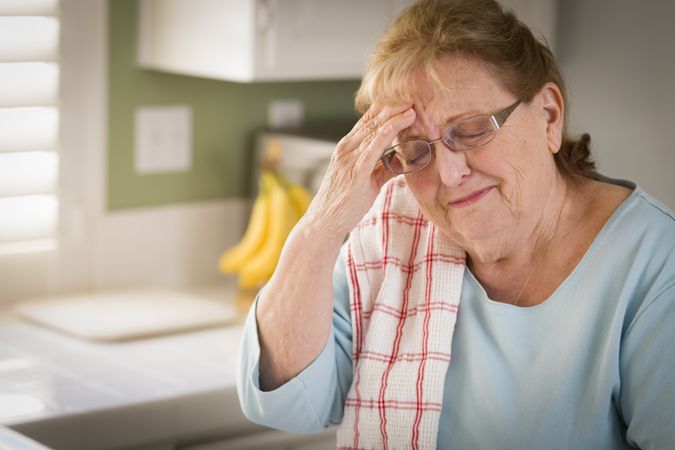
<point x="501" y="117"/>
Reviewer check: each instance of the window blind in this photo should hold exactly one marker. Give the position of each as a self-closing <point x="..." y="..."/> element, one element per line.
<point x="29" y="124"/>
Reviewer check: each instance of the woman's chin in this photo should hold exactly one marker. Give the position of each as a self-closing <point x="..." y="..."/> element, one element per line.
<point x="476" y="229"/>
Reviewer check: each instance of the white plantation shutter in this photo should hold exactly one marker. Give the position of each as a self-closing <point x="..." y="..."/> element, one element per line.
<point x="29" y="124"/>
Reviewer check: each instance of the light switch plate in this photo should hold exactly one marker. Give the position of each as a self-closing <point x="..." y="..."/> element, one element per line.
<point x="163" y="139"/>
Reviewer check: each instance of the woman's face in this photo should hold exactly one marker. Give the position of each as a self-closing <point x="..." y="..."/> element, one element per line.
<point x="492" y="199"/>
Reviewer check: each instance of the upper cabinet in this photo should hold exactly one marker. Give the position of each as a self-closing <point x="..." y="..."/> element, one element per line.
<point x="276" y="40"/>
<point x="262" y="40"/>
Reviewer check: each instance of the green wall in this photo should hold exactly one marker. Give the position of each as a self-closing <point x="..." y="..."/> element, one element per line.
<point x="225" y="118"/>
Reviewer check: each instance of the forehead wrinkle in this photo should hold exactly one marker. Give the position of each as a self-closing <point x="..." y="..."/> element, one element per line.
<point x="426" y="119"/>
<point x="422" y="128"/>
<point x="439" y="106"/>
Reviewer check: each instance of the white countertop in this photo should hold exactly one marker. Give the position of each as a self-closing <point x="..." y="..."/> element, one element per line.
<point x="76" y="394"/>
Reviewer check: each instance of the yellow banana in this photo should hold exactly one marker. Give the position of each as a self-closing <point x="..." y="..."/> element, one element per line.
<point x="282" y="218"/>
<point x="254" y="237"/>
<point x="300" y="197"/>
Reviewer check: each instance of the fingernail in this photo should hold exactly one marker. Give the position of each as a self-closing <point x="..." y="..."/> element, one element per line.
<point x="387" y="128"/>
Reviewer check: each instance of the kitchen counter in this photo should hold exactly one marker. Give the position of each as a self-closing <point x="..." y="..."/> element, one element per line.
<point x="154" y="393"/>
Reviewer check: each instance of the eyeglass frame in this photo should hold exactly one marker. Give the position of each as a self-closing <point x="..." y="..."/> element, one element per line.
<point x="498" y="119"/>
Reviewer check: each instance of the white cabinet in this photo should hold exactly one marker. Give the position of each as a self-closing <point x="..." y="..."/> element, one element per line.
<point x="262" y="40"/>
<point x="275" y="40"/>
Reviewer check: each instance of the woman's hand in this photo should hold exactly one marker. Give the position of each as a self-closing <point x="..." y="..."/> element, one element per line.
<point x="356" y="173"/>
<point x="295" y="308"/>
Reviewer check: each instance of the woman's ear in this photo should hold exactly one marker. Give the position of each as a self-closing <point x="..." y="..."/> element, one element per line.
<point x="554" y="113"/>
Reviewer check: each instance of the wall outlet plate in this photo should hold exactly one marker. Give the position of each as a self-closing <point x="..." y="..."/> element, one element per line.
<point x="163" y="139"/>
<point x="285" y="114"/>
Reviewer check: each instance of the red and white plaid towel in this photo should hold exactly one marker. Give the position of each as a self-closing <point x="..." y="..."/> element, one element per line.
<point x="405" y="279"/>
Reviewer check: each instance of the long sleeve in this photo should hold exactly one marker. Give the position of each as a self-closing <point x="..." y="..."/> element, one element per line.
<point x="648" y="374"/>
<point x="313" y="400"/>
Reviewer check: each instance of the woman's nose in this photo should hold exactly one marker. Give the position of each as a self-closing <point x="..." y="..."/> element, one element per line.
<point x="452" y="166"/>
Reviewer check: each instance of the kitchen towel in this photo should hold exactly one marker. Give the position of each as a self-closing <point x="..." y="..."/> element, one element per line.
<point x="405" y="279"/>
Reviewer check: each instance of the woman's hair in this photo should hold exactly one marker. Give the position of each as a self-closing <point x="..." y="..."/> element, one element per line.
<point x="477" y="29"/>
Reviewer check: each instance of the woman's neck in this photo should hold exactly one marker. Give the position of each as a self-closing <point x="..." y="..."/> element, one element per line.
<point x="512" y="274"/>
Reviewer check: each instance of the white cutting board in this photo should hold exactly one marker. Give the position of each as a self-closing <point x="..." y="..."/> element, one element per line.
<point x="127" y="314"/>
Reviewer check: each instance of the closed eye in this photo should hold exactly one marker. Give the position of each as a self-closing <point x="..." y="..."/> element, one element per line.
<point x="416" y="160"/>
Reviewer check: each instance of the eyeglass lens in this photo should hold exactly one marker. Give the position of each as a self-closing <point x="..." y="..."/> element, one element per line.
<point x="408" y="156"/>
<point x="470" y="133"/>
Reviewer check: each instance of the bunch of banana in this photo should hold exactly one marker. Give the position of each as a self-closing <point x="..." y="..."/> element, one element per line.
<point x="279" y="205"/>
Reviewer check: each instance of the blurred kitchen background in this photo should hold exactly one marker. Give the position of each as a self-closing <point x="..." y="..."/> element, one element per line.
<point x="130" y="132"/>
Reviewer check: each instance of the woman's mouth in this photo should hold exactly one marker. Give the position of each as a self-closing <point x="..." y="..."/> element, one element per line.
<point x="470" y="199"/>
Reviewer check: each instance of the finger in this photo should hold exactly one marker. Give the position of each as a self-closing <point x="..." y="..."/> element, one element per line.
<point x="376" y="116"/>
<point x="423" y="116"/>
<point x="375" y="124"/>
<point x="384" y="136"/>
<point x="385" y="132"/>
<point x="368" y="116"/>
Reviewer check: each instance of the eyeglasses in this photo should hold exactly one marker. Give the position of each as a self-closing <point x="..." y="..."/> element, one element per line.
<point x="461" y="136"/>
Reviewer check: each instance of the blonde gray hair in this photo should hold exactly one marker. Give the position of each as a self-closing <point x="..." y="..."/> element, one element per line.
<point x="477" y="29"/>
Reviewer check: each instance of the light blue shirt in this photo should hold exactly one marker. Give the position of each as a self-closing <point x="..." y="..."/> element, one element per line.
<point x="593" y="367"/>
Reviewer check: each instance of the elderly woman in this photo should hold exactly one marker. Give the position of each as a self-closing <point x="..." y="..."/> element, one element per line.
<point x="495" y="290"/>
